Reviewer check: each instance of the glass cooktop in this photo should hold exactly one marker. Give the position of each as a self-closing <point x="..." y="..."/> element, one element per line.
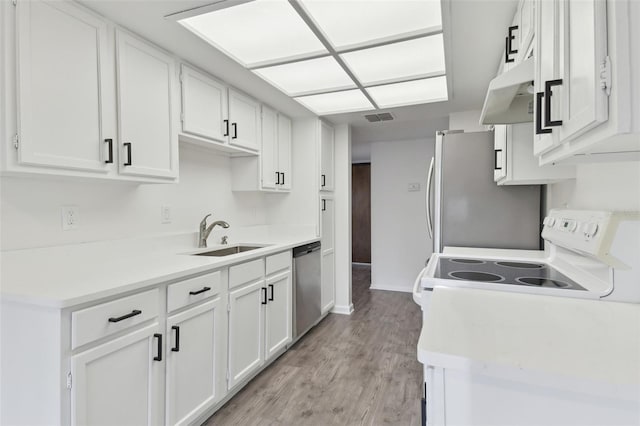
<point x="504" y="272"/>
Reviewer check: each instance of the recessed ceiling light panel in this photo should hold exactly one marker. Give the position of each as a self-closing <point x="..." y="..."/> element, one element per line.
<point x="414" y="58"/>
<point x="336" y="102"/>
<point x="349" y="23"/>
<point x="410" y="92"/>
<point x="315" y="75"/>
<point x="257" y="32"/>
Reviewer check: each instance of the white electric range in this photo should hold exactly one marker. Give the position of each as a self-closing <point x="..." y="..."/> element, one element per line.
<point x="590" y="255"/>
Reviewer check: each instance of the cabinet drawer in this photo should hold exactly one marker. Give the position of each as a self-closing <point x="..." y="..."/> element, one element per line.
<point x="278" y="262"/>
<point x="246" y="272"/>
<point x="193" y="290"/>
<point x="108" y="318"/>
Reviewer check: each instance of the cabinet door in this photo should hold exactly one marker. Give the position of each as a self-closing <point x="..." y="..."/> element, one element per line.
<point x="269" y="152"/>
<point x="246" y="330"/>
<point x="525" y="26"/>
<point x="278" y="313"/>
<point x="500" y="152"/>
<point x="65" y="88"/>
<point x="194" y="340"/>
<point x="583" y="53"/>
<point x="244" y="115"/>
<point x="148" y="135"/>
<point x="204" y="106"/>
<point x="326" y="157"/>
<point x="117" y="383"/>
<point x="328" y="254"/>
<point x="546" y="69"/>
<point x="284" y="151"/>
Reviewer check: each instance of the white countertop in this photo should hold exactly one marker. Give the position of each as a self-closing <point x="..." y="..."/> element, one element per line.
<point x="65" y="276"/>
<point x="559" y="337"/>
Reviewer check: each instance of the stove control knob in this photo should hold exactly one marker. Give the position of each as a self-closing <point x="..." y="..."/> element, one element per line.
<point x="551" y="221"/>
<point x="572" y="226"/>
<point x="592" y="229"/>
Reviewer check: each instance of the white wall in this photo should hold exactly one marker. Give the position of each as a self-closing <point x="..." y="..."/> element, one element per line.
<point x="361" y="152"/>
<point x="599" y="186"/>
<point x="400" y="244"/>
<point x="111" y="210"/>
<point x="342" y="234"/>
<point x="469" y="121"/>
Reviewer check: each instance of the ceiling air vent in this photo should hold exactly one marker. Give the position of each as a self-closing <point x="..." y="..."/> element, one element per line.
<point x="383" y="116"/>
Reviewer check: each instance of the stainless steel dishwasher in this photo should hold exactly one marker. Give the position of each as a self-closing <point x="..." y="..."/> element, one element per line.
<point x="307" y="308"/>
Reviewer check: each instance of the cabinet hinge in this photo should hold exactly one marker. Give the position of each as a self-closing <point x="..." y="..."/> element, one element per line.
<point x="69" y="380"/>
<point x="16" y="141"/>
<point x="605" y="75"/>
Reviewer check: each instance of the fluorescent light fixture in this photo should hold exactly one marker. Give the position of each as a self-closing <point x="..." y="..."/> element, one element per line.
<point x="336" y="102"/>
<point x="353" y="22"/>
<point x="420" y="57"/>
<point x="315" y="75"/>
<point x="257" y="32"/>
<point x="410" y="92"/>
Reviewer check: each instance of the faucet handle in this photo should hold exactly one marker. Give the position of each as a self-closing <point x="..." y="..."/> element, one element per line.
<point x="203" y="222"/>
<point x="224" y="240"/>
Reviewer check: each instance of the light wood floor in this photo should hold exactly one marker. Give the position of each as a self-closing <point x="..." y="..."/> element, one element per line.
<point x="348" y="370"/>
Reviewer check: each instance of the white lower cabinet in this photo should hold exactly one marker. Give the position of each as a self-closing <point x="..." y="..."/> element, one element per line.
<point x="328" y="254"/>
<point x="195" y="339"/>
<point x="117" y="383"/>
<point x="278" y="314"/>
<point x="246" y="324"/>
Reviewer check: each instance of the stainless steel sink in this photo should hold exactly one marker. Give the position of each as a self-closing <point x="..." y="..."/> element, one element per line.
<point x="228" y="251"/>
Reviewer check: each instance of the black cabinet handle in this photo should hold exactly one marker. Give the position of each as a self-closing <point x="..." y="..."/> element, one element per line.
<point x="159" y="356"/>
<point x="264" y="295"/>
<point x="110" y="159"/>
<point x="547" y="103"/>
<point x="282" y="178"/>
<point x="124" y="317"/>
<point x="271" y="288"/>
<point x="277" y="178"/>
<point x="323" y="180"/>
<point x="495" y="159"/>
<point x="235" y="130"/>
<point x="176" y="348"/>
<point x="508" y="49"/>
<point x="226" y="127"/>
<point x="539" y="129"/>
<point x="128" y="146"/>
<point x="324" y="204"/>
<point x="193" y="293"/>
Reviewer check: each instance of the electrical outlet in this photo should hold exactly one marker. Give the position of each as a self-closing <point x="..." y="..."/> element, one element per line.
<point x="70" y="217"/>
<point x="413" y="187"/>
<point x="165" y="214"/>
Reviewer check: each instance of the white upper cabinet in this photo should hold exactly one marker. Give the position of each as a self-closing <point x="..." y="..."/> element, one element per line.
<point x="244" y="121"/>
<point x="204" y="106"/>
<point x="147" y="133"/>
<point x="585" y="77"/>
<point x="327" y="142"/>
<point x="269" y="151"/>
<point x="284" y="152"/>
<point x="65" y="87"/>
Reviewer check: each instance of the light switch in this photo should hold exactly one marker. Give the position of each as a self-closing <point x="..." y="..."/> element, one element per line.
<point x="165" y="214"/>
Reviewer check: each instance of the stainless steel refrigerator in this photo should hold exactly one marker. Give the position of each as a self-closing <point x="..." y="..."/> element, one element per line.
<point x="466" y="208"/>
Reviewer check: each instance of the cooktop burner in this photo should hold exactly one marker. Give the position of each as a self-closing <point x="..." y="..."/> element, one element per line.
<point x="504" y="272"/>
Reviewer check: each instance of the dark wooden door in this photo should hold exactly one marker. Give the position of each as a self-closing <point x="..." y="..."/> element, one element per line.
<point x="361" y="212"/>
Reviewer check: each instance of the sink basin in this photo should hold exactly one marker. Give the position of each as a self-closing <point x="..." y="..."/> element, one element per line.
<point x="228" y="251"/>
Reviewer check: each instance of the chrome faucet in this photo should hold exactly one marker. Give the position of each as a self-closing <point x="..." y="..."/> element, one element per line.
<point x="205" y="231"/>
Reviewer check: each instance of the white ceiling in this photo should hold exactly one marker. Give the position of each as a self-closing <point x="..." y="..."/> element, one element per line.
<point x="474" y="32"/>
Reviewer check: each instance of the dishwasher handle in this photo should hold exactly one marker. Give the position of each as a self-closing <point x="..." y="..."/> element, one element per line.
<point x="306" y="249"/>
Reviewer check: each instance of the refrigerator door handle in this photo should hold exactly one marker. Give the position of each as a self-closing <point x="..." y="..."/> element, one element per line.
<point x="428" y="199"/>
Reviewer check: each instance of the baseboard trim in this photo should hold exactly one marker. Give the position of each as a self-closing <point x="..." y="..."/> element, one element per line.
<point x="342" y="309"/>
<point x="389" y="288"/>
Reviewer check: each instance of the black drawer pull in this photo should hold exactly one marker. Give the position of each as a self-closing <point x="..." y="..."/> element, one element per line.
<point x="235" y="130"/>
<point x="323" y="180"/>
<point x="495" y="159"/>
<point x="547" y="103"/>
<point x="277" y="178"/>
<point x="128" y="146"/>
<point x="264" y="295"/>
<point x="193" y="293"/>
<point x="159" y="356"/>
<point x="110" y="159"/>
<point x="271" y="288"/>
<point x="282" y="178"/>
<point x="226" y="127"/>
<point x="539" y="129"/>
<point x="176" y="348"/>
<point x="324" y="205"/>
<point x="124" y="317"/>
